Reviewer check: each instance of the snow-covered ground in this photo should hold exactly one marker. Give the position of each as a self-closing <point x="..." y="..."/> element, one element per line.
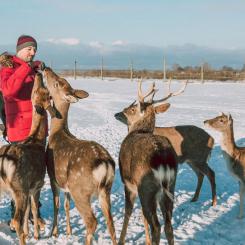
<point x="194" y="223"/>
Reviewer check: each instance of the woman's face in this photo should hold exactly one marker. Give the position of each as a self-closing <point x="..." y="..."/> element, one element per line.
<point x="27" y="54"/>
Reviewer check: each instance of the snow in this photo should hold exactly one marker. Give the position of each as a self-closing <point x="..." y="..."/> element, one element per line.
<point x="193" y="223"/>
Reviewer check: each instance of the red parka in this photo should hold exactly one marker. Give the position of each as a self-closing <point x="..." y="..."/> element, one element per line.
<point x="16" y="85"/>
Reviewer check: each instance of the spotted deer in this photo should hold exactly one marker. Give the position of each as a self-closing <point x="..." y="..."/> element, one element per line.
<point x="233" y="155"/>
<point x="22" y="166"/>
<point x="193" y="146"/>
<point x="148" y="167"/>
<point x="79" y="167"/>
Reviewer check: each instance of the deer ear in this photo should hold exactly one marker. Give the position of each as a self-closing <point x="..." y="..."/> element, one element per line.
<point x="80" y="94"/>
<point x="161" y="108"/>
<point x="230" y="117"/>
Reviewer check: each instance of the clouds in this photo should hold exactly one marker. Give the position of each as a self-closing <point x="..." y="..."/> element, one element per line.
<point x="119" y="43"/>
<point x="104" y="49"/>
<point x="119" y="53"/>
<point x="67" y="41"/>
<point x="96" y="44"/>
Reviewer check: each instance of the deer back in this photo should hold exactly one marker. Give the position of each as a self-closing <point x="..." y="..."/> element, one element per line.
<point x="143" y="152"/>
<point x="191" y="143"/>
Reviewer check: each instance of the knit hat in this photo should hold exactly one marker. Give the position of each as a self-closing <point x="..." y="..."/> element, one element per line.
<point x="25" y="41"/>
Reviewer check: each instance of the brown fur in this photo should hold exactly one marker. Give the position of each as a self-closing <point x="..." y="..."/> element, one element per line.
<point x="82" y="168"/>
<point x="233" y="155"/>
<point x="23" y="166"/>
<point x="192" y="145"/>
<point x="143" y="159"/>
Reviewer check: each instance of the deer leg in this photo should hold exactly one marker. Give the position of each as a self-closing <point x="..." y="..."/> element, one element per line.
<point x="129" y="204"/>
<point x="56" y="203"/>
<point x="147" y="197"/>
<point x="151" y="217"/>
<point x="21" y="200"/>
<point x="26" y="218"/>
<point x="83" y="206"/>
<point x="241" y="192"/>
<point x="104" y="198"/>
<point x="34" y="210"/>
<point x="166" y="205"/>
<point x="211" y="177"/>
<point x="200" y="177"/>
<point x="147" y="234"/>
<point x="202" y="170"/>
<point x="67" y="211"/>
<point x="41" y="222"/>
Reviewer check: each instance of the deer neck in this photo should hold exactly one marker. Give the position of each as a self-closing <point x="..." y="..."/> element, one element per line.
<point x="228" y="142"/>
<point x="60" y="122"/>
<point x="38" y="128"/>
<point x="146" y="125"/>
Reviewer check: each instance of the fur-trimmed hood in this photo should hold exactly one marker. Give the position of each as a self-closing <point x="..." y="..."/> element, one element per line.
<point x="6" y="60"/>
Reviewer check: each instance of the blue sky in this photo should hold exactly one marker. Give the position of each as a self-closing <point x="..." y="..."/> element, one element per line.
<point x="209" y="23"/>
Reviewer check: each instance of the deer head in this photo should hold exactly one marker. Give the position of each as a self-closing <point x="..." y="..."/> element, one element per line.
<point x="220" y="123"/>
<point x="40" y="97"/>
<point x="59" y="88"/>
<point x="140" y="115"/>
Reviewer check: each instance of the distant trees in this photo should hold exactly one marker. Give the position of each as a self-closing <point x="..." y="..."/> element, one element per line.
<point x="227" y="68"/>
<point x="207" y="66"/>
<point x="243" y="67"/>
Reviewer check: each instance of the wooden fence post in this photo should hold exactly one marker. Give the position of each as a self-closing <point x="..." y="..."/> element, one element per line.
<point x="75" y="70"/>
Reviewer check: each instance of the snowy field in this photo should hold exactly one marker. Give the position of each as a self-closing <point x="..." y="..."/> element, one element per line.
<point x="193" y="223"/>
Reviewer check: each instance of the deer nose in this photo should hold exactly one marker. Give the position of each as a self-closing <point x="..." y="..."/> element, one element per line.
<point x="121" y="117"/>
<point x="117" y="115"/>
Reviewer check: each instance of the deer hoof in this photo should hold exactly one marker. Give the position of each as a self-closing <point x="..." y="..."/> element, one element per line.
<point x="55" y="233"/>
<point x="194" y="199"/>
<point x="23" y="239"/>
<point x="214" y="203"/>
<point x="68" y="233"/>
<point x="41" y="224"/>
<point x="240" y="216"/>
<point x="36" y="237"/>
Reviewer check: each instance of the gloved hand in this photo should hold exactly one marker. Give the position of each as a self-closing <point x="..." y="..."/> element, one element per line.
<point x="38" y="65"/>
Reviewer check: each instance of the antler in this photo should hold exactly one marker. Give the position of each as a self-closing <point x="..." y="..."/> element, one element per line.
<point x="171" y="94"/>
<point x="151" y="91"/>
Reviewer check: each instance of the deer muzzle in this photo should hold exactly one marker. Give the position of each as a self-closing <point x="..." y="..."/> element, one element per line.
<point x="121" y="117"/>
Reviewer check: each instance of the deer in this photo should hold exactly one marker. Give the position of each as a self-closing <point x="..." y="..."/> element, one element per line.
<point x="22" y="166"/>
<point x="193" y="145"/>
<point x="81" y="168"/>
<point x="148" y="167"/>
<point x="234" y="155"/>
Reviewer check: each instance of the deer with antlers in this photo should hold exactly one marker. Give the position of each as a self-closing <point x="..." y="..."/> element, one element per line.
<point x="233" y="155"/>
<point x="192" y="145"/>
<point x="81" y="168"/>
<point x="148" y="167"/>
<point x="22" y="166"/>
